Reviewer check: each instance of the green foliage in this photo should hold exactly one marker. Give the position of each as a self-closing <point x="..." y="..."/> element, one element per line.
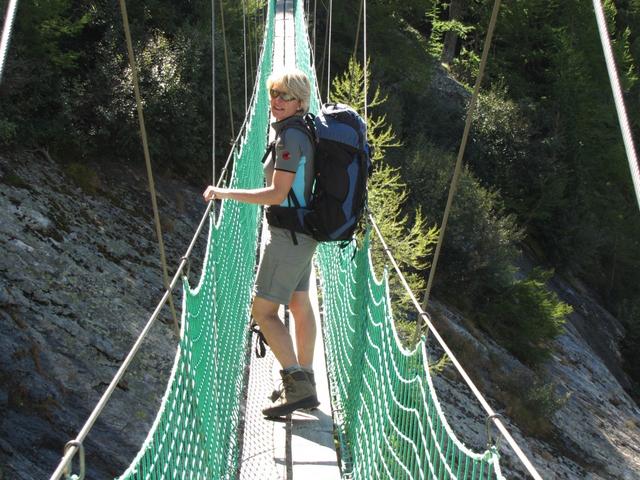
<point x="479" y="244"/>
<point x="526" y="316"/>
<point x="506" y="152"/>
<point x="84" y="176"/>
<point x="439" y="27"/>
<point x="466" y="66"/>
<point x="410" y="241"/>
<point x="68" y="82"/>
<point x="532" y="402"/>
<point x="8" y="131"/>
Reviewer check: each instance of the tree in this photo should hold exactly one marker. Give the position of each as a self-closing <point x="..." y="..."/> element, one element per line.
<point x="408" y="236"/>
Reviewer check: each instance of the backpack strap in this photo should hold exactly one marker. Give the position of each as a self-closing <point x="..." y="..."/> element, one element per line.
<point x="306" y="124"/>
<point x="271" y="150"/>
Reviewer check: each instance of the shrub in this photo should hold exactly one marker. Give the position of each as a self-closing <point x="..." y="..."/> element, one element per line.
<point x="512" y="150"/>
<point x="525" y="317"/>
<point x="480" y="241"/>
<point x="86" y="178"/>
<point x="531" y="401"/>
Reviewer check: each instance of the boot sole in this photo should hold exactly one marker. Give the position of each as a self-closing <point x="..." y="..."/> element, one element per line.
<point x="308" y="403"/>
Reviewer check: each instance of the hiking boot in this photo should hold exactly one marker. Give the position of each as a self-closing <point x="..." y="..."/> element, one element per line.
<point x="275" y="395"/>
<point x="297" y="392"/>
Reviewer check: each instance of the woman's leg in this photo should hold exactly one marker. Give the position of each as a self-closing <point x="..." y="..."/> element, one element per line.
<point x="265" y="313"/>
<point x="300" y="306"/>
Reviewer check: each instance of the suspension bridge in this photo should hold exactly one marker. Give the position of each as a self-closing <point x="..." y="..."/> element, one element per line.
<point x="379" y="403"/>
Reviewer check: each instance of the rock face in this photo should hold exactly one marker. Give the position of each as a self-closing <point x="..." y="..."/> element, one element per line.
<point x="595" y="432"/>
<point x="79" y="278"/>
<point x="80" y="275"/>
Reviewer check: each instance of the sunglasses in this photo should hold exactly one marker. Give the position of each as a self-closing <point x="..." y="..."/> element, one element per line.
<point x="287" y="97"/>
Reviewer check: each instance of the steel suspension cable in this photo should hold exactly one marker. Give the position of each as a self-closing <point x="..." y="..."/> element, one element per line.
<point x="491" y="414"/>
<point x="147" y="158"/>
<point x="618" y="97"/>
<point x="315" y="16"/>
<point x="324" y="48"/>
<point x="366" y="60"/>
<point x="250" y="47"/>
<point x="226" y="64"/>
<point x="458" y="166"/>
<point x="255" y="35"/>
<point x="213" y="92"/>
<point x="329" y="47"/>
<point x="6" y="33"/>
<point x="244" y="51"/>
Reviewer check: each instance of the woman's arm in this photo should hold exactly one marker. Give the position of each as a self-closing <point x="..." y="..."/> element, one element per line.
<point x="274" y="194"/>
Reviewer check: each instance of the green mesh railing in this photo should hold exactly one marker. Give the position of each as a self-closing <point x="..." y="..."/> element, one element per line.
<point x="389" y="420"/>
<point x="195" y="435"/>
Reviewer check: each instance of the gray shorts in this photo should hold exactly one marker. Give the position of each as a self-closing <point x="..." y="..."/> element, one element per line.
<point x="285" y="268"/>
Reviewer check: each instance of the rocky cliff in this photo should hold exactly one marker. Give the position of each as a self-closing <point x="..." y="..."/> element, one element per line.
<point x="79" y="277"/>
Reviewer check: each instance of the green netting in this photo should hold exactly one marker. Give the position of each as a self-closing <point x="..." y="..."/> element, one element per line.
<point x="390" y="422"/>
<point x="195" y="435"/>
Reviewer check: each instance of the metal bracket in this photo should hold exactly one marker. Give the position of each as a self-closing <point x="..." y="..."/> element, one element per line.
<point x="490" y="442"/>
<point x="187" y="266"/>
<point x="67" y="470"/>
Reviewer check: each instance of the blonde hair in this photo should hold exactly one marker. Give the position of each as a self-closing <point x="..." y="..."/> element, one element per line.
<point x="295" y="82"/>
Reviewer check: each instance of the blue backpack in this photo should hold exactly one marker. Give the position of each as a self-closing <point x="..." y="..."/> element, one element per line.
<point x="342" y="165"/>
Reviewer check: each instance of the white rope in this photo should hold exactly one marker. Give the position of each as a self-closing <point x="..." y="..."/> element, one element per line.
<point x="329" y="49"/>
<point x="6" y="33"/>
<point x="618" y="98"/>
<point x="485" y="405"/>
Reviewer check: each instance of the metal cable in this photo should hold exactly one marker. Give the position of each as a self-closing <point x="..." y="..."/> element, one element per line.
<point x="147" y="158"/>
<point x="315" y="12"/>
<point x="329" y="49"/>
<point x="485" y="405"/>
<point x="6" y="33"/>
<point x="244" y="51"/>
<point x="458" y="167"/>
<point x="226" y="64"/>
<point x="213" y="92"/>
<point x="617" y="97"/>
<point x="366" y="60"/>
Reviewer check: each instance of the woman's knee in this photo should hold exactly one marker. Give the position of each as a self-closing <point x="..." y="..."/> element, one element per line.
<point x="264" y="311"/>
<point x="300" y="301"/>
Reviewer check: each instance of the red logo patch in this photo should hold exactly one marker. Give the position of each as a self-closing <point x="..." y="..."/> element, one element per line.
<point x="286" y="155"/>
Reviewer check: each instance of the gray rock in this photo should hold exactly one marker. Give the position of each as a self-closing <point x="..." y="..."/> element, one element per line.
<point x="78" y="280"/>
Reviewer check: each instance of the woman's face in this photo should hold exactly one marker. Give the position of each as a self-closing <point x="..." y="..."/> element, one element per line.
<point x="283" y="104"/>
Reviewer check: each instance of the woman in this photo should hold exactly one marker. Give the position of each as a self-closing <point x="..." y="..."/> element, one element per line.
<point x="283" y="275"/>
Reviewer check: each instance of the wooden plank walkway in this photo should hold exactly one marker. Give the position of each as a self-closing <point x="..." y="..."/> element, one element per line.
<point x="302" y="446"/>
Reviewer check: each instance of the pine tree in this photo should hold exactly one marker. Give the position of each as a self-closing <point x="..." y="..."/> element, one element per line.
<point x="406" y="233"/>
